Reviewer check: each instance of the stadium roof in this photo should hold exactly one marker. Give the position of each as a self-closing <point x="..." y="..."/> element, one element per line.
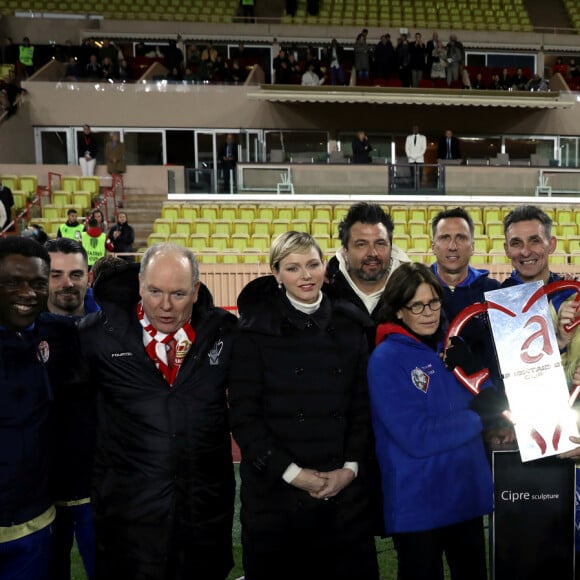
<point x="410" y="96"/>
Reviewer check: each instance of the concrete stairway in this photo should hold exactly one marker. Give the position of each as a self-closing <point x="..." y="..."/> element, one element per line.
<point x="142" y="210"/>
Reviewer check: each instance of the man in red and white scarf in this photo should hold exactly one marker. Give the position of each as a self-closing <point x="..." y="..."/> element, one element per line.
<point x="163" y="485"/>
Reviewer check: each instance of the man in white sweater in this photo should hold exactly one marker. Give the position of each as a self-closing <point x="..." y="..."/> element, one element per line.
<point x="415" y="147"/>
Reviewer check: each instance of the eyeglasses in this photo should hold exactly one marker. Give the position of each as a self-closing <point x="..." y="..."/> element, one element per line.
<point x="419" y="307"/>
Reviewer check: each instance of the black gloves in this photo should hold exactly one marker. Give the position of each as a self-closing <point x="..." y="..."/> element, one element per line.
<point x="489" y="405"/>
<point x="460" y="355"/>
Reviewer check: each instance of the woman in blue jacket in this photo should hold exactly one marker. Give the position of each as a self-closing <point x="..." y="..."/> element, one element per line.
<point x="436" y="478"/>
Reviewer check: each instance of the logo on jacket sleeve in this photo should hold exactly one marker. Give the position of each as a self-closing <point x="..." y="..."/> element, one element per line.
<point x="43" y="352"/>
<point x="214" y="353"/>
<point x="420" y="379"/>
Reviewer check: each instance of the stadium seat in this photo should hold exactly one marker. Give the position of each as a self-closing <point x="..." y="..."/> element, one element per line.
<point x="219" y="241"/>
<point x="29" y="184"/>
<point x="252" y="256"/>
<point x="231" y="256"/>
<point x="240" y="242"/>
<point x="221" y="226"/>
<point x="247" y="211"/>
<point x="300" y="225"/>
<point x="267" y="212"/>
<point x="182" y="226"/>
<point x="70" y="183"/>
<point x="11" y="181"/>
<point x="163" y="226"/>
<point x="156" y="238"/>
<point x="61" y="198"/>
<point x="52" y="212"/>
<point x="90" y="184"/>
<point x="198" y="242"/>
<point x="242" y="226"/>
<point x="229" y="212"/>
<point x="279" y="226"/>
<point x="402" y="241"/>
<point x="261" y="226"/>
<point x="260" y="242"/>
<point x="209" y="211"/>
<point x="320" y="227"/>
<point x="303" y="212"/>
<point x="171" y="211"/>
<point x="202" y="226"/>
<point x="179" y="239"/>
<point x="82" y="199"/>
<point x="189" y="212"/>
<point x="285" y="212"/>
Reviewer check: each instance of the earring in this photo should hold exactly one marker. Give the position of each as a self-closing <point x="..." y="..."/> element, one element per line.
<point x="279" y="284"/>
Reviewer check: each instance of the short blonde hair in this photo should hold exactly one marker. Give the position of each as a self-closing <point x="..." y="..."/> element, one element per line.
<point x="290" y="243"/>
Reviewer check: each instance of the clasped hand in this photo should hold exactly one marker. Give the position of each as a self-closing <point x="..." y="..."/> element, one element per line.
<point x="323" y="484"/>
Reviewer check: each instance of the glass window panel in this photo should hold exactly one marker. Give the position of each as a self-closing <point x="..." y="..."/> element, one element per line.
<point x="143" y="148"/>
<point x="180" y="148"/>
<point x="523" y="147"/>
<point x="570" y="152"/>
<point x="54" y="148"/>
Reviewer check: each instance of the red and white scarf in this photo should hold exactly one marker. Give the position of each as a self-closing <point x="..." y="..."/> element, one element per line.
<point x="156" y="342"/>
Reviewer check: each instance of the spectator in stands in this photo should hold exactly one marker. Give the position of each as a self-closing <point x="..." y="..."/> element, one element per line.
<point x="361" y="56"/>
<point x="537" y="83"/>
<point x="294" y="69"/>
<point x="282" y="73"/>
<point x="495" y="84"/>
<point x="209" y="53"/>
<point x="94" y="241"/>
<point x="334" y="64"/>
<point x="404" y="60"/>
<point x="123" y="71"/>
<point x="310" y="78"/>
<point x="505" y="80"/>
<point x="87" y="148"/>
<point x="206" y="71"/>
<point x="519" y="80"/>
<point x="6" y="205"/>
<point x="72" y="228"/>
<point x="108" y="69"/>
<point x="560" y="67"/>
<point x="449" y="146"/>
<point x="9" y="92"/>
<point x="431" y="45"/>
<point x="237" y="73"/>
<point x="465" y="80"/>
<point x="73" y="70"/>
<point x="173" y="57"/>
<point x="452" y="243"/>
<point x="174" y="76"/>
<point x="311" y="58"/>
<point x="35" y="231"/>
<point x="384" y="57"/>
<point x="163" y="473"/>
<point x="121" y="237"/>
<point x="455" y="56"/>
<point x="361" y="148"/>
<point x="115" y="154"/>
<point x="189" y="76"/>
<point x="573" y="71"/>
<point x="478" y="84"/>
<point x="97" y="214"/>
<point x="26" y="62"/>
<point x="193" y="57"/>
<point x="109" y="50"/>
<point x="93" y="71"/>
<point x="415" y="147"/>
<point x="306" y="489"/>
<point x="438" y="61"/>
<point x="248" y="10"/>
<point x="418" y="53"/>
<point x="228" y="155"/>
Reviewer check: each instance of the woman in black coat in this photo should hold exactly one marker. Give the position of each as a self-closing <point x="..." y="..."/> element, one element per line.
<point x="300" y="413"/>
<point x="121" y="237"/>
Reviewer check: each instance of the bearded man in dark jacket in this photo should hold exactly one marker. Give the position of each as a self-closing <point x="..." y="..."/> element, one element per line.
<point x="163" y="486"/>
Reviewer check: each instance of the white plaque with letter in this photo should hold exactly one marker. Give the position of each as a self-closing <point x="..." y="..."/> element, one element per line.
<point x="534" y="379"/>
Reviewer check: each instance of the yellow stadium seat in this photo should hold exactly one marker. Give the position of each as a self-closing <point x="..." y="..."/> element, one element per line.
<point x="221" y="226"/>
<point x="208" y="256"/>
<point x="182" y="226"/>
<point x="433" y="210"/>
<point x="420" y="242"/>
<point x="415" y="226"/>
<point x="498" y="257"/>
<point x="202" y="226"/>
<point x="478" y="227"/>
<point x="339" y="212"/>
<point x="260" y="242"/>
<point x="209" y="211"/>
<point x="219" y="241"/>
<point x="29" y="184"/>
<point x="190" y="212"/>
<point x="261" y="226"/>
<point x="398" y="213"/>
<point x="300" y="225"/>
<point x="492" y="213"/>
<point x="52" y="226"/>
<point x="267" y="212"/>
<point x="229" y="212"/>
<point x="324" y="212"/>
<point x="324" y="241"/>
<point x="558" y="259"/>
<point x="230" y="256"/>
<point x="565" y="215"/>
<point x="303" y="212"/>
<point x="11" y="181"/>
<point x="402" y="241"/>
<point x="61" y="198"/>
<point x="52" y="212"/>
<point x="20" y="199"/>
<point x="573" y="245"/>
<point x="285" y="212"/>
<point x="481" y="244"/>
<point x="155" y="238"/>
<point x="240" y="241"/>
<point x="476" y="212"/>
<point x="171" y="211"/>
<point x="320" y="227"/>
<point x="567" y="229"/>
<point x="494" y="228"/>
<point x="247" y="211"/>
<point x="179" y="239"/>
<point x="90" y="184"/>
<point x="279" y="226"/>
<point x="242" y="226"/>
<point x="70" y="183"/>
<point x="253" y="256"/>
<point x="198" y="241"/>
<point x="82" y="199"/>
<point x="496" y="243"/>
<point x="417" y="212"/>
<point x="163" y="226"/>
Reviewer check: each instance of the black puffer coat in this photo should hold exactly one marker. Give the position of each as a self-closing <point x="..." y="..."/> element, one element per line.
<point x="298" y="394"/>
<point x="163" y="489"/>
